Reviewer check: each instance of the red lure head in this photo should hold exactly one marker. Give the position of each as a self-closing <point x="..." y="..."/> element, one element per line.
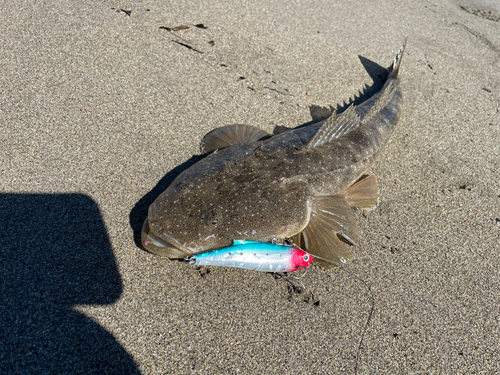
<point x="301" y="259"/>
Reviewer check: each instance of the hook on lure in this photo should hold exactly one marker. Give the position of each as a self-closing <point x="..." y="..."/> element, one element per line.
<point x="279" y="276"/>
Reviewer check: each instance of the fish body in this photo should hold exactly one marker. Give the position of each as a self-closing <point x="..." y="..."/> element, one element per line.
<point x="300" y="184"/>
<point x="256" y="256"/>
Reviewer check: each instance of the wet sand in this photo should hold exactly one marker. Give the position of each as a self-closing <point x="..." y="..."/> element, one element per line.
<point x="100" y="109"/>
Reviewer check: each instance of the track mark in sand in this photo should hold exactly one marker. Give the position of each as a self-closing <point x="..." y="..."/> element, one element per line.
<point x="487" y="14"/>
<point x="307" y="296"/>
<point x="279" y="92"/>
<point x="187" y="46"/>
<point x="481" y="37"/>
<point x="186" y="43"/>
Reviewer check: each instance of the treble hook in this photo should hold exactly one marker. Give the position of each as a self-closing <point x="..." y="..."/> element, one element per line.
<point x="278" y="276"/>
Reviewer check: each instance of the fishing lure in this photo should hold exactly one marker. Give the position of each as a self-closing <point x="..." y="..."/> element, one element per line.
<point x="256" y="256"/>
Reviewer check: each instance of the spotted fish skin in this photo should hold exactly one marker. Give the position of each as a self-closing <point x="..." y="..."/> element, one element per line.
<point x="301" y="183"/>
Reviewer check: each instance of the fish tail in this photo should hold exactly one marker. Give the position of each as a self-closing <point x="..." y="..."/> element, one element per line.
<point x="397" y="60"/>
<point x="386" y="96"/>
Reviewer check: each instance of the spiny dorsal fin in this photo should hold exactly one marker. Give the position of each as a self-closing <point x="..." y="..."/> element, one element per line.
<point x="335" y="126"/>
<point x="332" y="226"/>
<point x="363" y="193"/>
<point x="230" y="135"/>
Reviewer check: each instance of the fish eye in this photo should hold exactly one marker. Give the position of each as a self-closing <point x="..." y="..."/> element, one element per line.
<point x="184" y="188"/>
<point x="211" y="219"/>
<point x="306" y="258"/>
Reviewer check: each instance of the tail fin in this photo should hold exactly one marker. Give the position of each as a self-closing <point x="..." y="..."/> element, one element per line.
<point x="397" y="61"/>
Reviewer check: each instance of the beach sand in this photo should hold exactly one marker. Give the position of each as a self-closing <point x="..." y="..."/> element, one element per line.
<point x="100" y="109"/>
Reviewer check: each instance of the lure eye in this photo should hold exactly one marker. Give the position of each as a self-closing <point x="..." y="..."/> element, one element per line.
<point x="306" y="258"/>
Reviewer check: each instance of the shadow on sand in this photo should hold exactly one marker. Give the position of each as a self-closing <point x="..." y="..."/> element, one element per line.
<point x="376" y="72"/>
<point x="55" y="253"/>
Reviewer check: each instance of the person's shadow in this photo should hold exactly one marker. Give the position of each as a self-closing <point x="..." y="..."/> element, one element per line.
<point x="55" y="254"/>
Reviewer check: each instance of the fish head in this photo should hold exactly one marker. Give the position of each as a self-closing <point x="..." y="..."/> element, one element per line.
<point x="207" y="208"/>
<point x="301" y="259"/>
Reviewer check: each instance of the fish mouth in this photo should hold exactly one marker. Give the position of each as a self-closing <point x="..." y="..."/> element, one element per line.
<point x="156" y="245"/>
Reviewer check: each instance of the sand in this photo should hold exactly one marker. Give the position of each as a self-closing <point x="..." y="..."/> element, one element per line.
<point x="100" y="109"/>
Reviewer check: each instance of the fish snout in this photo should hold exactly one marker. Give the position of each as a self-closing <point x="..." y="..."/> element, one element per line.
<point x="156" y="245"/>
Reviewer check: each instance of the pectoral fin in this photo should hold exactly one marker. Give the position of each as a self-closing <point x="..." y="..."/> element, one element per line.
<point x="230" y="135"/>
<point x="333" y="225"/>
<point x="331" y="228"/>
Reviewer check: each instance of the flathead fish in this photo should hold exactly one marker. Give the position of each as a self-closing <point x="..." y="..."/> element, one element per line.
<point x="302" y="184"/>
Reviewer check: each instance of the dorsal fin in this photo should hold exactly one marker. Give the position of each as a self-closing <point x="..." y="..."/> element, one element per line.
<point x="335" y="126"/>
<point x="230" y="135"/>
<point x="363" y="194"/>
